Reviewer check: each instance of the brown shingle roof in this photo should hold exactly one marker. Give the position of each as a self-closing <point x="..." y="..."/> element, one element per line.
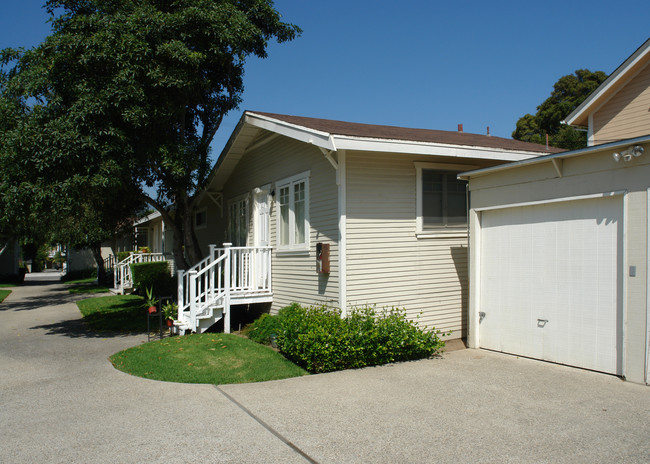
<point x="354" y="129"/>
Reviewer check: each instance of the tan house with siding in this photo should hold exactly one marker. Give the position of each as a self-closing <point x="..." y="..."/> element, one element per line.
<point x="385" y="200"/>
<point x="620" y="107"/>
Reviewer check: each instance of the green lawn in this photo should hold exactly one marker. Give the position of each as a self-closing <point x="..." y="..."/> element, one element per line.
<point x="114" y="313"/>
<point x="87" y="285"/>
<point x="4" y="294"/>
<point x="87" y="288"/>
<point x="205" y="358"/>
<point x="87" y="280"/>
<point x="7" y="285"/>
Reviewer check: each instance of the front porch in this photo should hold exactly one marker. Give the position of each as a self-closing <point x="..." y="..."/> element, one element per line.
<point x="227" y="277"/>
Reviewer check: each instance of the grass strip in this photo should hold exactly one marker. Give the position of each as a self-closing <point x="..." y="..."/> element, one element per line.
<point x="87" y="280"/>
<point x="7" y="285"/>
<point x="4" y="294"/>
<point x="87" y="288"/>
<point x="114" y="313"/>
<point x="205" y="358"/>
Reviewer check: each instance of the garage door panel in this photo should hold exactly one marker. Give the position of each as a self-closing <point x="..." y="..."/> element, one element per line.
<point x="556" y="262"/>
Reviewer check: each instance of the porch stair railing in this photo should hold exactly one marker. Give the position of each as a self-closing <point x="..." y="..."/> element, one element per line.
<point x="207" y="290"/>
<point x="122" y="277"/>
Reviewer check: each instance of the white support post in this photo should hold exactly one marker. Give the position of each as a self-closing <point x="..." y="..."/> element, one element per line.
<point x="226" y="285"/>
<point x="180" y="275"/>
<point x="213" y="250"/>
<point x="192" y="284"/>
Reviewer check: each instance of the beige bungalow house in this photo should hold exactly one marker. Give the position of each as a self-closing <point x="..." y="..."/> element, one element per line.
<point x="559" y="244"/>
<point x="338" y="213"/>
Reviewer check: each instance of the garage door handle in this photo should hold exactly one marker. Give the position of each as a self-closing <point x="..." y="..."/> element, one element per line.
<point x="541" y="322"/>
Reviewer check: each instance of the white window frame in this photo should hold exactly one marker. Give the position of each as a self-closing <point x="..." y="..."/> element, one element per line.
<point x="290" y="182"/>
<point x="231" y="202"/>
<point x="439" y="231"/>
<point x="198" y="226"/>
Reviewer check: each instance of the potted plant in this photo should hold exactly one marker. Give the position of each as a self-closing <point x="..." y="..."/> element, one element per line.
<point x="170" y="310"/>
<point x="150" y="302"/>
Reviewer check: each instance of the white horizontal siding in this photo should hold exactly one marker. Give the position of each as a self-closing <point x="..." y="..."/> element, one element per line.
<point x="294" y="277"/>
<point x="387" y="265"/>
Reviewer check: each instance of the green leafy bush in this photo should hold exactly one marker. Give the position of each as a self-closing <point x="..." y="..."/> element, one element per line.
<point x="320" y="340"/>
<point x="153" y="275"/>
<point x="264" y="330"/>
<point x="122" y="255"/>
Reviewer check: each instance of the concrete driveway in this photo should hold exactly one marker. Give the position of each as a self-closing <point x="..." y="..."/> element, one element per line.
<point x="62" y="401"/>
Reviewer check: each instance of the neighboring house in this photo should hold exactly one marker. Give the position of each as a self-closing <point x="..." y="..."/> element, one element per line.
<point x="150" y="232"/>
<point x="620" y="107"/>
<point x="380" y="204"/>
<point x="559" y="244"/>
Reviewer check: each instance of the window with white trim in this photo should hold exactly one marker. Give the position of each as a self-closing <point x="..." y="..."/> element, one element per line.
<point x="441" y="198"/>
<point x="292" y="210"/>
<point x="238" y="220"/>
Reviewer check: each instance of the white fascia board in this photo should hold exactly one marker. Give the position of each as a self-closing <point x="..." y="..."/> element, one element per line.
<point x="434" y="149"/>
<point x="556" y="156"/>
<point x="610" y="82"/>
<point x="154" y="215"/>
<point x="301" y="133"/>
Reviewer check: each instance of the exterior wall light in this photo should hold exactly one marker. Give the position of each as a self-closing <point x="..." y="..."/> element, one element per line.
<point x="628" y="153"/>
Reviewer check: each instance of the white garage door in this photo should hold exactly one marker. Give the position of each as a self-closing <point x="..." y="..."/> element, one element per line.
<point x="551" y="282"/>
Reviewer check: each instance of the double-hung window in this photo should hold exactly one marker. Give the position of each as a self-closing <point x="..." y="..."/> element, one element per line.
<point x="292" y="209"/>
<point x="441" y="199"/>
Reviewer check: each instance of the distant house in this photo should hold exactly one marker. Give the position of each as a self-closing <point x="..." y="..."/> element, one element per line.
<point x="349" y="214"/>
<point x="559" y="244"/>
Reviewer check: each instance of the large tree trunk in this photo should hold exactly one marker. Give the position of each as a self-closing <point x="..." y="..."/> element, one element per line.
<point x="96" y="248"/>
<point x="186" y="246"/>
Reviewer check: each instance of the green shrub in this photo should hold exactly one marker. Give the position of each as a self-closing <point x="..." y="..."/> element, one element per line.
<point x="153" y="275"/>
<point x="264" y="330"/>
<point x="122" y="255"/>
<point x="320" y="340"/>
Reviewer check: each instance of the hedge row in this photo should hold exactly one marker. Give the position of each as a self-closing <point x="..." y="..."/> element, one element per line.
<point x="154" y="275"/>
<point x="319" y="340"/>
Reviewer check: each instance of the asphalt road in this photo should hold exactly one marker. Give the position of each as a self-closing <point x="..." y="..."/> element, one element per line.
<point x="61" y="401"/>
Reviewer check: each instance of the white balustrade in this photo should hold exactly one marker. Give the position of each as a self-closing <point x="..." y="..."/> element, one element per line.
<point x="213" y="282"/>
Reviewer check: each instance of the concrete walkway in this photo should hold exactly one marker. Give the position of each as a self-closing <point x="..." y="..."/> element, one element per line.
<point x="62" y="401"/>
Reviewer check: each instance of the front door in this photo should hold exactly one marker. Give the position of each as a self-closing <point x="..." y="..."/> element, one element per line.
<point x="261" y="232"/>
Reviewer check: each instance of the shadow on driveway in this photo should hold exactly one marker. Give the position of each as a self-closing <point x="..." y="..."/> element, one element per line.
<point x="76" y="328"/>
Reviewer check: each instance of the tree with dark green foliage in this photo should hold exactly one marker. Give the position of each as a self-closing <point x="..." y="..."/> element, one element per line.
<point x="568" y="93"/>
<point x="125" y="95"/>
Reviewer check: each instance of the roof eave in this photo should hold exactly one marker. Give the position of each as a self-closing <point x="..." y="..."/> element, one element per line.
<point x="543" y="159"/>
<point x="579" y="116"/>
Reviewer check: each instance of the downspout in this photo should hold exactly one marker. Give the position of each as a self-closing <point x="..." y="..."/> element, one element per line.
<point x="341" y="179"/>
<point x="339" y="165"/>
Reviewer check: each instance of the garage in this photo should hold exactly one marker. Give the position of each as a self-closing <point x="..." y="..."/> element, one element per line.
<point x="558" y="258"/>
<point x="551" y="281"/>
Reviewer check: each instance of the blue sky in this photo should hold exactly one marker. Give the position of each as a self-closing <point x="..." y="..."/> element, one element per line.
<point x="416" y="63"/>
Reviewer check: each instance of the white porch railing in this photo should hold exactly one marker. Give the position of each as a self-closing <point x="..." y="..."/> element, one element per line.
<point x="122" y="277"/>
<point x="226" y="273"/>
